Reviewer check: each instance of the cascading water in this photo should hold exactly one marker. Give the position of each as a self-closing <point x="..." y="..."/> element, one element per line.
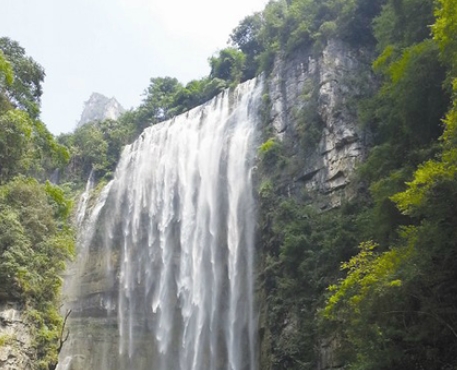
<point x="83" y="200"/>
<point x="167" y="283"/>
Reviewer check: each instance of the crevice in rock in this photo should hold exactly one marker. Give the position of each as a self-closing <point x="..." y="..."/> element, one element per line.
<point x="308" y="175"/>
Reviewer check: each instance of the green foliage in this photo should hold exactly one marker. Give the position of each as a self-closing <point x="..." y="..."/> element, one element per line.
<point x="7" y="74"/>
<point x="403" y="23"/>
<point x="309" y="121"/>
<point x="89" y="148"/>
<point x="444" y="32"/>
<point x="285" y="26"/>
<point x="59" y="200"/>
<point x="394" y="309"/>
<point x="228" y="65"/>
<point x="197" y="92"/>
<point x="48" y="154"/>
<point x="267" y="146"/>
<point x="15" y="140"/>
<point x="25" y="90"/>
<point x="35" y="242"/>
<point x="412" y="98"/>
<point x="97" y="146"/>
<point x="302" y="249"/>
<point x="271" y="154"/>
<point x="296" y="20"/>
<point x="266" y="190"/>
<point x="26" y="146"/>
<point x="246" y="37"/>
<point x="35" y="238"/>
<point x="158" y="99"/>
<point x="355" y="21"/>
<point x="405" y="115"/>
<point x="368" y="274"/>
<point x="6" y="339"/>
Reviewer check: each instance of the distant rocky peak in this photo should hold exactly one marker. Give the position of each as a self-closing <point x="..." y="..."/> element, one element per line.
<point x="99" y="108"/>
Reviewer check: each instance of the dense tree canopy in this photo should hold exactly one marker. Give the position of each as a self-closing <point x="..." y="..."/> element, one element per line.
<point x="35" y="237"/>
<point x="397" y="305"/>
<point x="391" y="303"/>
<point x="25" y="90"/>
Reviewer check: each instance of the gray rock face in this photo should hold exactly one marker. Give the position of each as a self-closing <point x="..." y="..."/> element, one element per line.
<point x="313" y="115"/>
<point x="16" y="351"/>
<point x="99" y="108"/>
<point x="327" y="86"/>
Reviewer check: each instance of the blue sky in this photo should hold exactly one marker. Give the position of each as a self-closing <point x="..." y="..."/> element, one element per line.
<point x="115" y="46"/>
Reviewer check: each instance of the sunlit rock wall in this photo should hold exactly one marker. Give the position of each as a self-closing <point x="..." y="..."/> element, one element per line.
<point x="327" y="87"/>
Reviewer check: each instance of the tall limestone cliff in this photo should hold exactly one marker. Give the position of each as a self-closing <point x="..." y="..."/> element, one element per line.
<point x="313" y="114"/>
<point x="313" y="143"/>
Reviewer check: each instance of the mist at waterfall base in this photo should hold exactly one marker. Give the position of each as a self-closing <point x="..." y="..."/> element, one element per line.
<point x="164" y="274"/>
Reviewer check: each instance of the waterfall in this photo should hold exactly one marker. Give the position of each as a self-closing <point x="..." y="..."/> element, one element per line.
<point x="167" y="281"/>
<point x="84" y="199"/>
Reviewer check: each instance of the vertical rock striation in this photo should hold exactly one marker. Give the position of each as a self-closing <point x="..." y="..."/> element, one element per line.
<point x="305" y="88"/>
